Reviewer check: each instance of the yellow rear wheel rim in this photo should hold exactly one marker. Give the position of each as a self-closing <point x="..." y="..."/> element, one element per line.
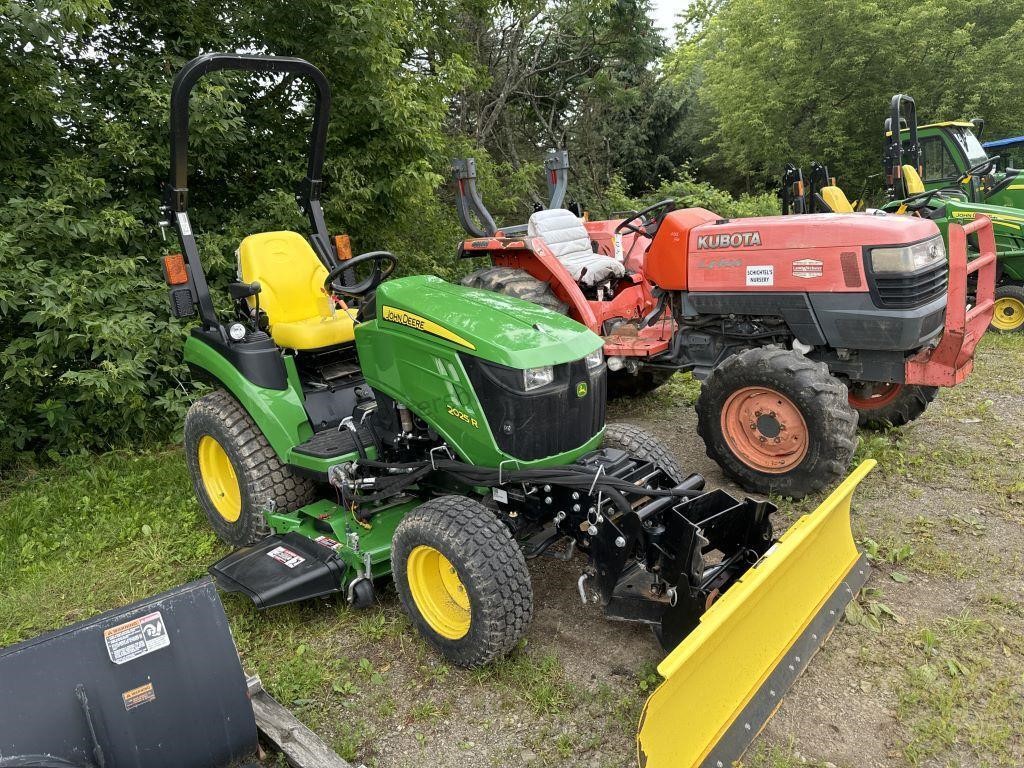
<point x="219" y="479"/>
<point x="438" y="592"/>
<point x="1009" y="314"/>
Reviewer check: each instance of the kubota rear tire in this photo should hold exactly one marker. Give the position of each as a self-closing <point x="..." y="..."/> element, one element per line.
<point x="880" y="405"/>
<point x="777" y="422"/>
<point x="1008" y="316"/>
<point x="235" y="473"/>
<point x="462" y="579"/>
<point x="518" y="284"/>
<point x="641" y="444"/>
<point x="626" y="384"/>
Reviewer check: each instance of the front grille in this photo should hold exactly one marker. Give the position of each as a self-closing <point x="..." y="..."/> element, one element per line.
<point x="910" y="290"/>
<point x="545" y="421"/>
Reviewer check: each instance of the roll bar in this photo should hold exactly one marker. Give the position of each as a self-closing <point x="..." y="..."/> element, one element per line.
<point x="176" y="192"/>
<point x="473" y="214"/>
<point x="894" y="149"/>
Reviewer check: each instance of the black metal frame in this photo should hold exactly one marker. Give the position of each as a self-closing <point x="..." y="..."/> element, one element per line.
<point x="900" y="105"/>
<point x="176" y="193"/>
<point x="792" y="193"/>
<point x="477" y="221"/>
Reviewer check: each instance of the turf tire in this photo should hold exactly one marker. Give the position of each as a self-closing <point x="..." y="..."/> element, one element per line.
<point x="1009" y="292"/>
<point x="490" y="565"/>
<point x="821" y="399"/>
<point x="262" y="478"/>
<point x="641" y="444"/>
<point x="518" y="284"/>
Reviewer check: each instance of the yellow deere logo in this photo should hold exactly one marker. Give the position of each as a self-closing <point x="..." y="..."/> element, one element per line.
<point x="410" y="320"/>
<point x="581" y="389"/>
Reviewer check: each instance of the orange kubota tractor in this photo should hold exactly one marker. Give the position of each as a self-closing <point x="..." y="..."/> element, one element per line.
<point x="797" y="327"/>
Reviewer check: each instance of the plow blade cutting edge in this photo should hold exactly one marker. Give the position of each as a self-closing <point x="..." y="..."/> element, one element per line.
<point x="727" y="678"/>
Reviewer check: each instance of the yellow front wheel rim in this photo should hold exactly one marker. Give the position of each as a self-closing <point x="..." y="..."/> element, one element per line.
<point x="438" y="592"/>
<point x="1009" y="314"/>
<point x="219" y="479"/>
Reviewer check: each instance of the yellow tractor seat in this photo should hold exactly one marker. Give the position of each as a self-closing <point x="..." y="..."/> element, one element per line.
<point x="912" y="183"/>
<point x="292" y="293"/>
<point x="835" y="199"/>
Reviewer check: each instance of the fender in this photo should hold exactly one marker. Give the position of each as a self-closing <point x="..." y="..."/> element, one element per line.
<point x="544" y="265"/>
<point x="278" y="413"/>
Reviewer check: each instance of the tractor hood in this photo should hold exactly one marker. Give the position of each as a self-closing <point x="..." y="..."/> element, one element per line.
<point x="810" y="231"/>
<point x="496" y="328"/>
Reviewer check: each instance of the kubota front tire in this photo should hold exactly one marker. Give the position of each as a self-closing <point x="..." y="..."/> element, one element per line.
<point x="777" y="422"/>
<point x="1008" y="316"/>
<point x="517" y="283"/>
<point x="462" y="579"/>
<point x="880" y="405"/>
<point x="235" y="473"/>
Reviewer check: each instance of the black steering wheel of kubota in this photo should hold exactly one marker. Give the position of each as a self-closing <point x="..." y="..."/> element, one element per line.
<point x="384" y="264"/>
<point x="648" y="220"/>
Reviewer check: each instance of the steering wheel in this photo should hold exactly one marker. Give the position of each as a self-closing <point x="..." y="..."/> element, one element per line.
<point x="980" y="169"/>
<point x="645" y="229"/>
<point x="384" y="264"/>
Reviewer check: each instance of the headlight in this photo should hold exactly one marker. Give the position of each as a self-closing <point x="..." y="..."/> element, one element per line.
<point x="533" y="378"/>
<point x="909" y="258"/>
<point x="594" y="359"/>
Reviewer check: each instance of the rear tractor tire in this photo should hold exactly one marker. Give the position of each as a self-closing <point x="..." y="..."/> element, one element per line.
<point x="880" y="405"/>
<point x="777" y="422"/>
<point x="641" y="444"/>
<point x="518" y="284"/>
<point x="626" y="384"/>
<point x="235" y="473"/>
<point x="462" y="579"/>
<point x="1008" y="316"/>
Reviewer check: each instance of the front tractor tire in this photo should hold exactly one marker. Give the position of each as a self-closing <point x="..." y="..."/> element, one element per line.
<point x="1008" y="316"/>
<point x="462" y="579"/>
<point x="777" y="422"/>
<point x="882" y="405"/>
<point x="518" y="284"/>
<point x="641" y="444"/>
<point x="235" y="473"/>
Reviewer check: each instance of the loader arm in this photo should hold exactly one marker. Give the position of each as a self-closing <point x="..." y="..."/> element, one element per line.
<point x="726" y="679"/>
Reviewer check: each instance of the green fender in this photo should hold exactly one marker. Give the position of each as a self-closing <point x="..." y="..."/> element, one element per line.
<point x="277" y="412"/>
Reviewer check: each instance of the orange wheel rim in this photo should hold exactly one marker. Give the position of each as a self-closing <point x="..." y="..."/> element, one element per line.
<point x="869" y="397"/>
<point x="764" y="429"/>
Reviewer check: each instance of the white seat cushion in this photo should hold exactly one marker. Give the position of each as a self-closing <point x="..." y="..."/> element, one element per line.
<point x="568" y="239"/>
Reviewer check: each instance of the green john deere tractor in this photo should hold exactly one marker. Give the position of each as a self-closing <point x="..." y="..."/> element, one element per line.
<point x="943" y="173"/>
<point x="953" y="198"/>
<point x="363" y="429"/>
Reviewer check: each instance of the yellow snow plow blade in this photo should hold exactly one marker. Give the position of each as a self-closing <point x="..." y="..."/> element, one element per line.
<point x="727" y="678"/>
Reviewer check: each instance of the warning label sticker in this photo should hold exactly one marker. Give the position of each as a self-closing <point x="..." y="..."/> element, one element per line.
<point x="136" y="638"/>
<point x="136" y="697"/>
<point x="327" y="541"/>
<point x="761" y="275"/>
<point x="808" y="268"/>
<point x="286" y="557"/>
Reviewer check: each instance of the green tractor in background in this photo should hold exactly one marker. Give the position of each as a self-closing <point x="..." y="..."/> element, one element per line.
<point x="942" y="172"/>
<point x="362" y="429"/>
<point x="953" y="198"/>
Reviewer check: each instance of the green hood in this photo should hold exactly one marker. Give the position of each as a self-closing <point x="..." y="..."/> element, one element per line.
<point x="488" y="325"/>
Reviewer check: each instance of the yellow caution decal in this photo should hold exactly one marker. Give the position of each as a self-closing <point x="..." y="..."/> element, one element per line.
<point x="727" y="678"/>
<point x="410" y="320"/>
